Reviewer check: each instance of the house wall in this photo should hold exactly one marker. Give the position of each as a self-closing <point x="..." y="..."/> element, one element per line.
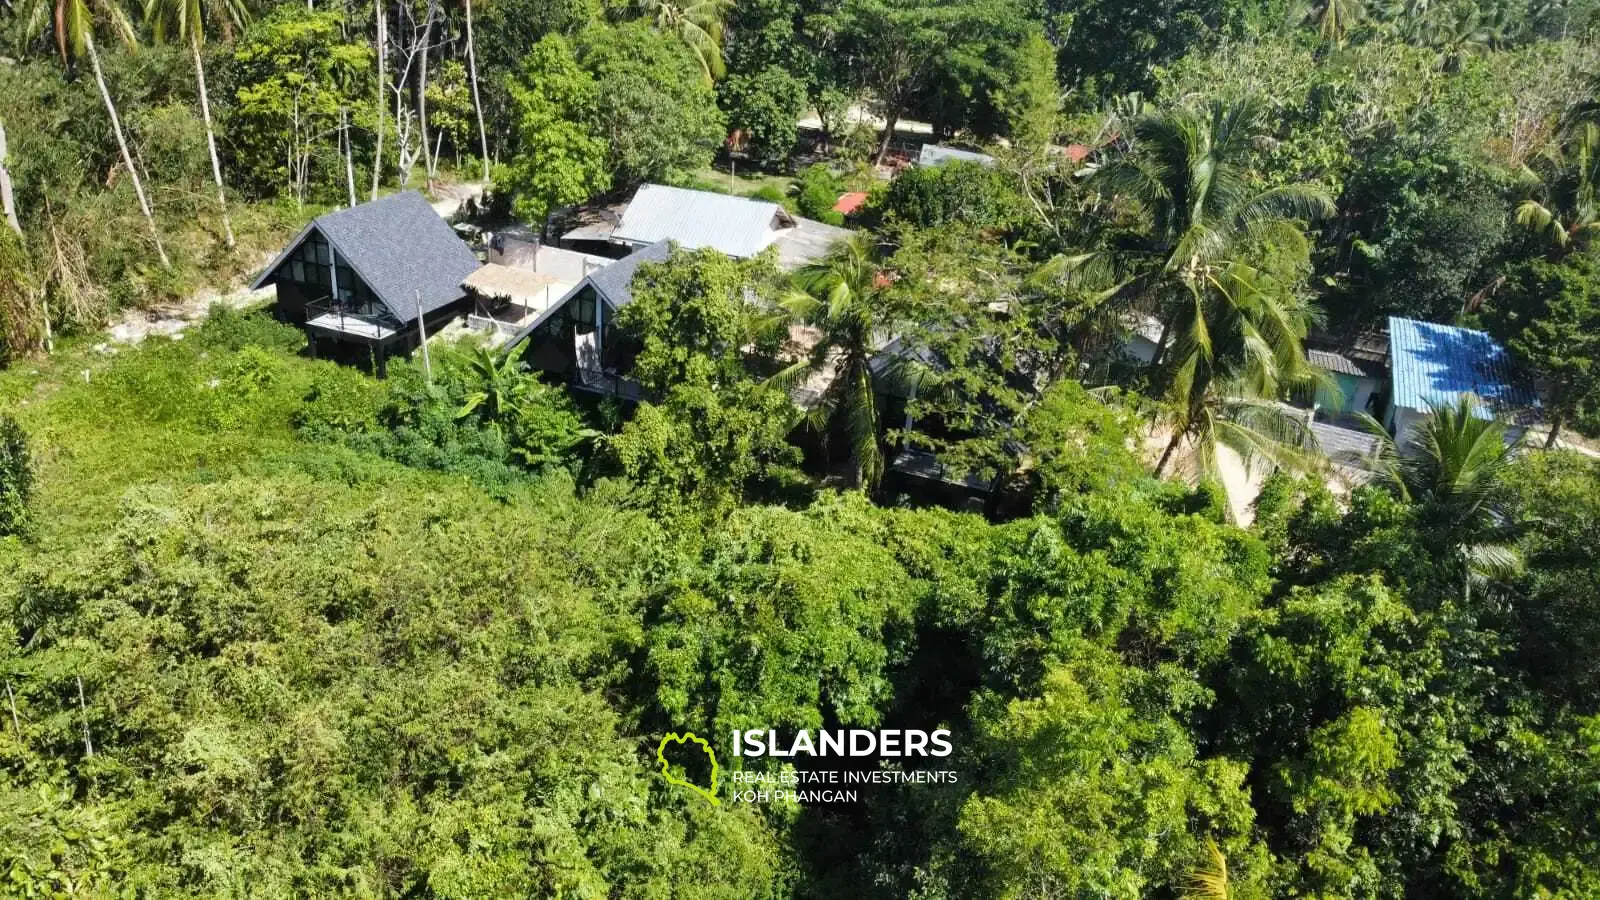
<point x="1354" y="392"/>
<point x="1140" y="348"/>
<point x="1403" y="423"/>
<point x="514" y="251"/>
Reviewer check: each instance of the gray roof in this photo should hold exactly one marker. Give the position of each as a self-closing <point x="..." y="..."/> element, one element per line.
<point x="935" y="154"/>
<point x="737" y="226"/>
<point x="1435" y="364"/>
<point x="1329" y="361"/>
<point x="614" y="283"/>
<point x="807" y="242"/>
<point x="400" y="247"/>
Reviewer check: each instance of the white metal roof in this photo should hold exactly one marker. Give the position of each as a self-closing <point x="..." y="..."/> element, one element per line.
<point x="737" y="226"/>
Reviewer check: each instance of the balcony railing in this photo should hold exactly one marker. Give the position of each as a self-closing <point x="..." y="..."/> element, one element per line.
<point x="332" y="315"/>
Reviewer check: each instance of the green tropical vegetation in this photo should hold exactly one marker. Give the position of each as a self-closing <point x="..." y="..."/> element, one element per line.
<point x="271" y="626"/>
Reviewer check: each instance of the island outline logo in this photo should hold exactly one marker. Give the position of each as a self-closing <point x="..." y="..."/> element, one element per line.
<point x="666" y="770"/>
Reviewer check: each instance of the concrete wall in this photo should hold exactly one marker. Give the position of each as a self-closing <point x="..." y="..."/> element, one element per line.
<point x="1354" y="392"/>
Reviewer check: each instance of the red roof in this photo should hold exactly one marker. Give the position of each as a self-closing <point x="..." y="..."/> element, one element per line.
<point x="1077" y="152"/>
<point x="849" y="203"/>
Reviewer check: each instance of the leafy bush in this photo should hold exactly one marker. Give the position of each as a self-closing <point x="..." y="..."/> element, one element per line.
<point x="342" y="402"/>
<point x="16" y="477"/>
<point x="816" y="190"/>
<point x="965" y="192"/>
<point x="770" y="194"/>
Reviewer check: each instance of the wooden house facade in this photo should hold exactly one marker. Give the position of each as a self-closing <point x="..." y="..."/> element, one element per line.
<point x="372" y="278"/>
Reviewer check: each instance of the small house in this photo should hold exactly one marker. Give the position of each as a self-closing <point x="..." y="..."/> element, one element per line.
<point x="373" y="277"/>
<point x="1353" y="387"/>
<point x="1434" y="365"/>
<point x="575" y="336"/>
<point x="738" y="226"/>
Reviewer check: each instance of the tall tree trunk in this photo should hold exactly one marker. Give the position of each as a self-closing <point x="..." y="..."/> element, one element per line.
<point x="211" y="137"/>
<point x="477" y="104"/>
<point x="1161" y="344"/>
<point x="383" y="84"/>
<point x="1555" y="431"/>
<point x="888" y="136"/>
<point x="122" y="144"/>
<point x="422" y="98"/>
<point x="8" y="202"/>
<point x="1166" y="455"/>
<point x="349" y="153"/>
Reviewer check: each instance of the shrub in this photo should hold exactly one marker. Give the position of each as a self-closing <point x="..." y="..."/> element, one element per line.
<point x="816" y="190"/>
<point x="16" y="477"/>
<point x="770" y="194"/>
<point x="342" y="402"/>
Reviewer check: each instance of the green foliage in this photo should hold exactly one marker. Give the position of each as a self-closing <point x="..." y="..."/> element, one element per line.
<point x="1095" y="788"/>
<point x="659" y="118"/>
<point x="816" y="190"/>
<point x="966" y="192"/>
<point x="764" y="106"/>
<point x="691" y="318"/>
<point x="829" y="606"/>
<point x="20" y="330"/>
<point x="1423" y="223"/>
<point x="560" y="160"/>
<point x="710" y="433"/>
<point x="16" y="478"/>
<point x="291" y="75"/>
<point x="1548" y="314"/>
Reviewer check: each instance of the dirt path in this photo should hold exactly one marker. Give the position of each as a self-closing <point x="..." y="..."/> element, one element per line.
<point x="134" y="325"/>
<point x="453" y="196"/>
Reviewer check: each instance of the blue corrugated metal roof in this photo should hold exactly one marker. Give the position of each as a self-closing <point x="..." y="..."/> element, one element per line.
<point x="1432" y="365"/>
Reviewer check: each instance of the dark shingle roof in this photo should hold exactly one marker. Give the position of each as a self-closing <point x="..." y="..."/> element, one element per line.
<point x="400" y="247"/>
<point x="615" y="281"/>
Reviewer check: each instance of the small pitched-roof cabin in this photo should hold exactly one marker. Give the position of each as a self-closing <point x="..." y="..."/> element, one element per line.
<point x="576" y="337"/>
<point x="1434" y="365"/>
<point x="363" y="276"/>
<point x="741" y="227"/>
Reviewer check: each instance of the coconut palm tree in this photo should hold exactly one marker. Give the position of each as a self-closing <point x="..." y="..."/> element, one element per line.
<point x="1568" y="214"/>
<point x="1335" y="18"/>
<point x="698" y="24"/>
<point x="74" y="23"/>
<point x="1238" y="345"/>
<point x="1452" y="468"/>
<point x="185" y="20"/>
<point x="1184" y="178"/>
<point x="834" y="299"/>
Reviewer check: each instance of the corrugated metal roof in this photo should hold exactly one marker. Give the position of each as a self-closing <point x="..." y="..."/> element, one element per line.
<point x="1328" y="361"/>
<point x="1435" y="364"/>
<point x="737" y="226"/>
<point x="400" y="247"/>
<point x="935" y="154"/>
